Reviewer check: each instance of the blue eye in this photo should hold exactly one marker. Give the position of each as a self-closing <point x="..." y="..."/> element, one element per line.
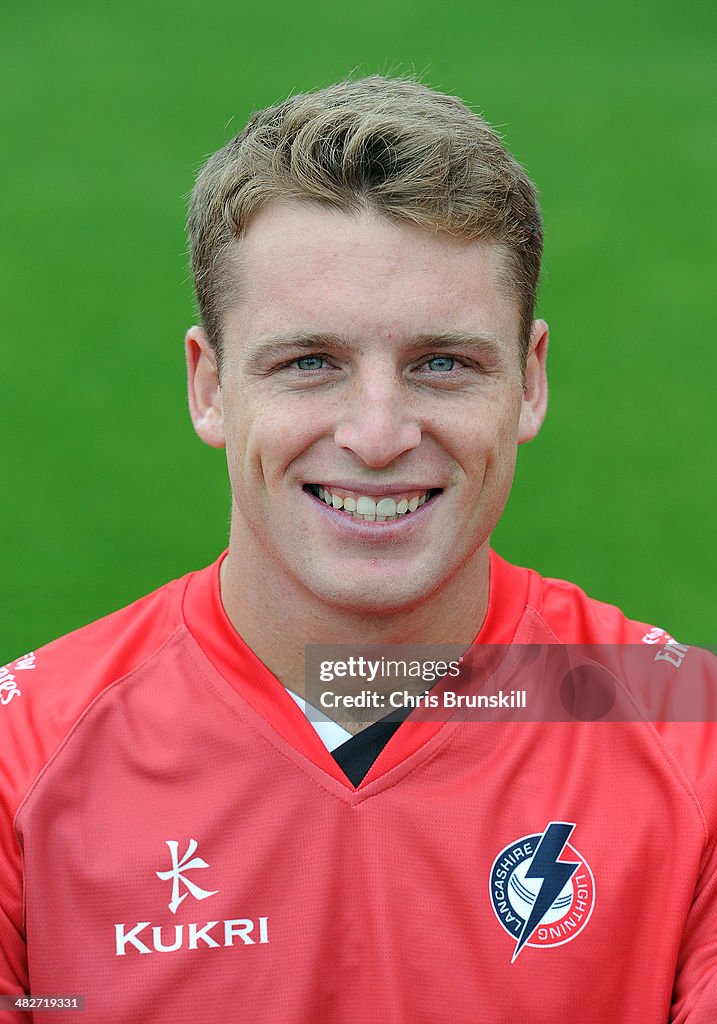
<point x="441" y="363"/>
<point x="310" y="363"/>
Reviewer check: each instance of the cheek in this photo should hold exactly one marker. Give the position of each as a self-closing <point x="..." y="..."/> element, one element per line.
<point x="504" y="432"/>
<point x="488" y="452"/>
<point x="485" y="437"/>
<point x="263" y="442"/>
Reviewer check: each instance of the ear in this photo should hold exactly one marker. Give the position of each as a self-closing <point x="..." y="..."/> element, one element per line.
<point x="535" y="391"/>
<point x="205" y="397"/>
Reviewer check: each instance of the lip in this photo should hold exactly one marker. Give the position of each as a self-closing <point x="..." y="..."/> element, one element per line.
<point x="362" y="528"/>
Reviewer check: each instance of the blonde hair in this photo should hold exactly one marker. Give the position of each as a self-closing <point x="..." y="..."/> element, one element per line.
<point x="391" y="145"/>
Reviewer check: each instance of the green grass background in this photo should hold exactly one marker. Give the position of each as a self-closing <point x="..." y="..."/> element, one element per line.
<point x="109" y="109"/>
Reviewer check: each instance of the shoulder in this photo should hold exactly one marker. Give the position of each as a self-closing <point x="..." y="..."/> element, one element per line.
<point x="103" y="650"/>
<point x="43" y="693"/>
<point x="576" y="618"/>
<point x="668" y="686"/>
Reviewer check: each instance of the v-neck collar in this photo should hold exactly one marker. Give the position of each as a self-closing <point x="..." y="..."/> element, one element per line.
<point x="209" y="624"/>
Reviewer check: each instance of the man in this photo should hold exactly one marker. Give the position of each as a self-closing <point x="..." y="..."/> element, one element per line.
<point x="180" y="841"/>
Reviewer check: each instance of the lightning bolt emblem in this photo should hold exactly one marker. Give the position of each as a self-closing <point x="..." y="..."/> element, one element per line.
<point x="555" y="874"/>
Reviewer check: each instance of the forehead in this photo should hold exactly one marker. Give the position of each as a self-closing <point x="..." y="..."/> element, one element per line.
<point x="302" y="266"/>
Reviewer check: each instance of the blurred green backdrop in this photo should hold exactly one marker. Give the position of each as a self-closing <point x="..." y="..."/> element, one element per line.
<point x="109" y="109"/>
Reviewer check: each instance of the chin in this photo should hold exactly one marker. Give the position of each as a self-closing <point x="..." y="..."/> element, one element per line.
<point x="375" y="597"/>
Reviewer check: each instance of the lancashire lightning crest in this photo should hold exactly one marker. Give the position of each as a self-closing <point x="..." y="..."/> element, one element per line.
<point x="542" y="890"/>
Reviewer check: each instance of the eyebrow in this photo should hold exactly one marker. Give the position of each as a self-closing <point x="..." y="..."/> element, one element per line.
<point x="276" y="345"/>
<point x="483" y="340"/>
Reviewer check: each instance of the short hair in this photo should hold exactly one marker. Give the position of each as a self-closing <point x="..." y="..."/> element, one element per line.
<point x="389" y="145"/>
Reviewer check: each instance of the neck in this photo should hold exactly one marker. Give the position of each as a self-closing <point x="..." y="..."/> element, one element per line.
<point x="278" y="630"/>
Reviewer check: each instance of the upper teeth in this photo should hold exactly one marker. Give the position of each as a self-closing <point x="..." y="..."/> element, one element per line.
<point x="364" y="507"/>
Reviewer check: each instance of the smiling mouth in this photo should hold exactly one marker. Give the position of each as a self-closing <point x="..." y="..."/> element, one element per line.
<point x="362" y="506"/>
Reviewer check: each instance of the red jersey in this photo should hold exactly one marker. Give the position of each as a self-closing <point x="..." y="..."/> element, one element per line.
<point x="178" y="845"/>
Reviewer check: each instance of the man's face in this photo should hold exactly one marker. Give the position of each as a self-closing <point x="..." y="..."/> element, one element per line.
<point x="371" y="402"/>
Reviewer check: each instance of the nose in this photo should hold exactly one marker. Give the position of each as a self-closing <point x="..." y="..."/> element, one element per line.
<point x="377" y="422"/>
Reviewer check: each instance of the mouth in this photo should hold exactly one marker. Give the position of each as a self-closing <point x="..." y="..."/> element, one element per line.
<point x="384" y="509"/>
